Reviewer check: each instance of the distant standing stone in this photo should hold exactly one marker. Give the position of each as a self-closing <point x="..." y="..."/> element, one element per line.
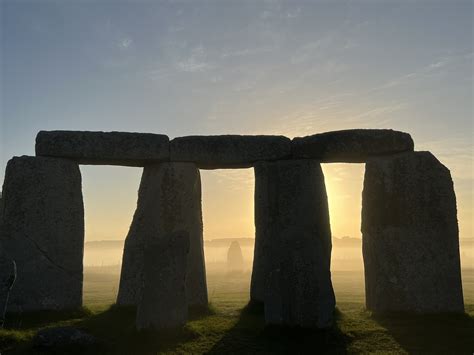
<point x="352" y="145"/>
<point x="229" y="151"/>
<point x="235" y="259"/>
<point x="169" y="201"/>
<point x="106" y="148"/>
<point x="410" y="236"/>
<point x="293" y="244"/>
<point x="43" y="231"/>
<point x="163" y="301"/>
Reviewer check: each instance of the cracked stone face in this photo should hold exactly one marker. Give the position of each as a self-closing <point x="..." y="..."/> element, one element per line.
<point x="43" y="231"/>
<point x="291" y="270"/>
<point x="410" y="236"/>
<point x="169" y="200"/>
<point x="163" y="302"/>
<point x="7" y="280"/>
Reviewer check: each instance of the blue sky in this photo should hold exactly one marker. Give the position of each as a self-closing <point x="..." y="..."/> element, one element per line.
<point x="209" y="67"/>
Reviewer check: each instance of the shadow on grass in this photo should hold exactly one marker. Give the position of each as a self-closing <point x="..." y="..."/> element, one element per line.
<point x="200" y="312"/>
<point x="114" y="330"/>
<point x="437" y="333"/>
<point x="250" y="335"/>
<point x="34" y="320"/>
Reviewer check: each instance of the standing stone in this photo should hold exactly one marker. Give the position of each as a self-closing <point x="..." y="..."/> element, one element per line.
<point x="235" y="259"/>
<point x="42" y="229"/>
<point x="163" y="302"/>
<point x="169" y="201"/>
<point x="410" y="236"/>
<point x="293" y="244"/>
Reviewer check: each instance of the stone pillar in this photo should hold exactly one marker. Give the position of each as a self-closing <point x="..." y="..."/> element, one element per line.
<point x="169" y="201"/>
<point x="293" y="244"/>
<point x="410" y="236"/>
<point x="163" y="302"/>
<point x="43" y="232"/>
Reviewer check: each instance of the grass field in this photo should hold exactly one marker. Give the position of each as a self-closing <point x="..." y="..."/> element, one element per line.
<point x="230" y="327"/>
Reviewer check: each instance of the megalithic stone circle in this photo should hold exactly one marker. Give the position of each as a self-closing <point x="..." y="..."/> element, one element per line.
<point x="293" y="244"/>
<point x="42" y="230"/>
<point x="409" y="220"/>
<point x="410" y="236"/>
<point x="169" y="201"/>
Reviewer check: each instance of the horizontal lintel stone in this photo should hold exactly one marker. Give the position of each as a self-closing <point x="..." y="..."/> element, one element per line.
<point x="352" y="145"/>
<point x="229" y="151"/>
<point x="104" y="148"/>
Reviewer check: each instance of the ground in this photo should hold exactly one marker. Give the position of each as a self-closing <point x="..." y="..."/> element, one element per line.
<point x="231" y="327"/>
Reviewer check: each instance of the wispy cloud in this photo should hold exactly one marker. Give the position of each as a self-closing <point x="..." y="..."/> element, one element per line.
<point x="159" y="74"/>
<point x="125" y="43"/>
<point x="195" y="63"/>
<point x="246" y="51"/>
<point x="425" y="71"/>
<point x="294" y="13"/>
<point x="191" y="65"/>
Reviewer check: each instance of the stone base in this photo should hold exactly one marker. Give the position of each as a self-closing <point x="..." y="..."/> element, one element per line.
<point x="163" y="302"/>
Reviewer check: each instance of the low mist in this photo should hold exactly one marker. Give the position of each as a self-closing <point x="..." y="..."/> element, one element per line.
<point x="346" y="253"/>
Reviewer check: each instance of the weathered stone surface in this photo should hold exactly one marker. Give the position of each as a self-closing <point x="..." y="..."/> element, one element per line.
<point x="43" y="231"/>
<point x="59" y="337"/>
<point x="228" y="151"/>
<point x="352" y="145"/>
<point x="106" y="148"/>
<point x="293" y="244"/>
<point x="410" y="236"/>
<point x="7" y="279"/>
<point x="163" y="302"/>
<point x="169" y="201"/>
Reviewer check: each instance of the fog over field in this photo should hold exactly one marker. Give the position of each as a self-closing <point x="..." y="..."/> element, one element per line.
<point x="102" y="261"/>
<point x="346" y="253"/>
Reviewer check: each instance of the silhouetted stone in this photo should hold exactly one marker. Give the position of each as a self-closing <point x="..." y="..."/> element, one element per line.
<point x="58" y="337"/>
<point x="228" y="151"/>
<point x="352" y="145"/>
<point x="163" y="301"/>
<point x="235" y="259"/>
<point x="106" y="148"/>
<point x="43" y="231"/>
<point x="410" y="236"/>
<point x="293" y="244"/>
<point x="7" y="279"/>
<point x="169" y="200"/>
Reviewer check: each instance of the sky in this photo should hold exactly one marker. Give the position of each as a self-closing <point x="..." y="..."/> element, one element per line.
<point x="238" y="67"/>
